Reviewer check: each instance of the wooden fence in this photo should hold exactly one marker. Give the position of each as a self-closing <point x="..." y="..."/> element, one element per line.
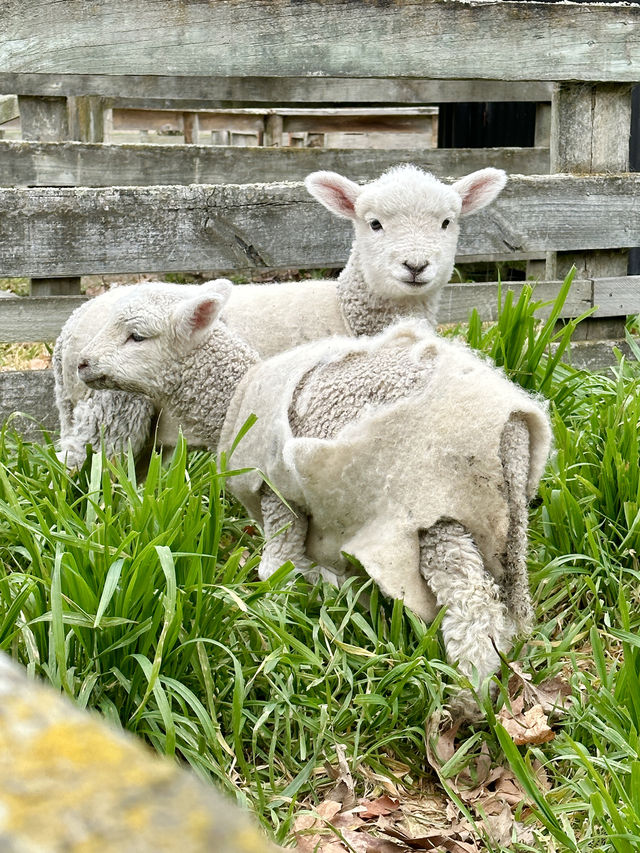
<point x="72" y="205"/>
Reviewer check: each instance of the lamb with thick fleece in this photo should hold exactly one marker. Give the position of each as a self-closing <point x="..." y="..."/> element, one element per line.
<point x="404" y="449"/>
<point x="406" y="231"/>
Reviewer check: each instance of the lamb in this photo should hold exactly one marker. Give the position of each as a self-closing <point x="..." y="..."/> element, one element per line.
<point x="403" y="449"/>
<point x="406" y="230"/>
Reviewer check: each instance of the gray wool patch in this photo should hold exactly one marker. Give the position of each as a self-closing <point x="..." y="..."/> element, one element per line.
<point x="366" y="313"/>
<point x="335" y="393"/>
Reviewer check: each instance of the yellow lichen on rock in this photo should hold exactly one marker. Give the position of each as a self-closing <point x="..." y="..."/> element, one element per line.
<point x="69" y="782"/>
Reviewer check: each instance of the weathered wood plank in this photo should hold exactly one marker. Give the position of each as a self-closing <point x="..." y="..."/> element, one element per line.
<point x="211" y="92"/>
<point x="64" y="231"/>
<point x="29" y="392"/>
<point x="78" y="164"/>
<point x="617" y="296"/>
<point x="40" y="319"/>
<point x="44" y="119"/>
<point x="367" y="120"/>
<point x="458" y="300"/>
<point x="590" y="128"/>
<point x="492" y="40"/>
<point x="24" y="319"/>
<point x="8" y="108"/>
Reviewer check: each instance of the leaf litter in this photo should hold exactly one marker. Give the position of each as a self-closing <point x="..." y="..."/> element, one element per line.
<point x="486" y="802"/>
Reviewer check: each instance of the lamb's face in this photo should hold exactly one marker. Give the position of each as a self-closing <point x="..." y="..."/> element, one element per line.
<point x="147" y="334"/>
<point x="407" y="231"/>
<point x="406" y="223"/>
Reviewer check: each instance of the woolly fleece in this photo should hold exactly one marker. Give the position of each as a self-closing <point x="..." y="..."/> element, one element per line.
<point x="394" y="470"/>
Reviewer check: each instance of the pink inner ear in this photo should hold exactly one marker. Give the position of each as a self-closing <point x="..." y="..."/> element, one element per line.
<point x="203" y="314"/>
<point x="338" y="197"/>
<point x="479" y="188"/>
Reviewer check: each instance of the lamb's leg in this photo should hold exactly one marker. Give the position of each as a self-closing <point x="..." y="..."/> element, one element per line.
<point x="118" y="416"/>
<point x="515" y="456"/>
<point x="285" y="534"/>
<point x="475" y="618"/>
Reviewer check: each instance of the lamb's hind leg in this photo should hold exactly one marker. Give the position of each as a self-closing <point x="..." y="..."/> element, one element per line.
<point x="515" y="457"/>
<point x="285" y="533"/>
<point x="476" y="625"/>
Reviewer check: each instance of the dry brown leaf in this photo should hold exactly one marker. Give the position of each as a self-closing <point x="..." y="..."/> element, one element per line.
<point x="344" y="790"/>
<point x="434" y="840"/>
<point x="382" y="806"/>
<point x="528" y="727"/>
<point x="553" y="694"/>
<point x="500" y="826"/>
<point x="440" y="735"/>
<point x="38" y="363"/>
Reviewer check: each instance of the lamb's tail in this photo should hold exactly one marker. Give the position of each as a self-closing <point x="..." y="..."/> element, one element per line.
<point x="515" y="457"/>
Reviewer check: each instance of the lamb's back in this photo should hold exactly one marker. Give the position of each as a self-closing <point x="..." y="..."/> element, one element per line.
<point x="276" y="317"/>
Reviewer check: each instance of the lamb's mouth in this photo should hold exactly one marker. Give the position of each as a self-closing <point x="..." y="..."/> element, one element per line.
<point x="93" y="380"/>
<point x="413" y="283"/>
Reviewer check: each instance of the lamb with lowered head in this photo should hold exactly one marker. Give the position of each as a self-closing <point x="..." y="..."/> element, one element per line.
<point x="405" y="450"/>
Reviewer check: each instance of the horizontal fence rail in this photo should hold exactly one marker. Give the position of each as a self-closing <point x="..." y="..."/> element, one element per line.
<point x="501" y="40"/>
<point x="69" y="164"/>
<point x="77" y="231"/>
<point x="213" y="92"/>
<point x="41" y="318"/>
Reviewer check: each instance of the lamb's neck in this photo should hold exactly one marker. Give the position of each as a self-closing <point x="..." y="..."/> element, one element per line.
<point x="209" y="376"/>
<point x="367" y="313"/>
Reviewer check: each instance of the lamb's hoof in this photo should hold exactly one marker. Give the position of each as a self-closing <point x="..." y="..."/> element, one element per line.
<point x="464" y="708"/>
<point x="72" y="461"/>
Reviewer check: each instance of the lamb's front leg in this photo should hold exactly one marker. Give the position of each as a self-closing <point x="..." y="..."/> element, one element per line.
<point x="285" y="533"/>
<point x="476" y="622"/>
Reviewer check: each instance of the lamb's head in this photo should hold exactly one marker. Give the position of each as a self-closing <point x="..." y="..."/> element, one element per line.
<point x="406" y="223"/>
<point x="148" y="333"/>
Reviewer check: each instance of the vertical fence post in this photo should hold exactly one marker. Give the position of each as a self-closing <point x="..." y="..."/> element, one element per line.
<point x="58" y="120"/>
<point x="190" y="128"/>
<point x="590" y="129"/>
<point x="272" y="136"/>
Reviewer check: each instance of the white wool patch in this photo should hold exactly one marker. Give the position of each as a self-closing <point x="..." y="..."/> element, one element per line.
<point x="385" y="477"/>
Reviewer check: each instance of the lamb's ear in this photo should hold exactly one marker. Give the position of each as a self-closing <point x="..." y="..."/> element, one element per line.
<point x="479" y="188"/>
<point x="336" y="193"/>
<point x="193" y="317"/>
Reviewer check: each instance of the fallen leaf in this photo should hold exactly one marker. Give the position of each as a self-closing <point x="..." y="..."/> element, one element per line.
<point x="440" y="735"/>
<point x="344" y="790"/>
<point x="500" y="826"/>
<point x="527" y="727"/>
<point x="553" y="694"/>
<point x="382" y="806"/>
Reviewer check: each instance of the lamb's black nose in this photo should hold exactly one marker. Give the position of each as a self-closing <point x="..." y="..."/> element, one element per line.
<point x="82" y="365"/>
<point x="415" y="269"/>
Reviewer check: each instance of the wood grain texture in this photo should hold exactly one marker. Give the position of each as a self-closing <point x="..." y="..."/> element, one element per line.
<point x="211" y="92"/>
<point x="343" y="38"/>
<point x="77" y="231"/>
<point x="26" y="397"/>
<point x="617" y="296"/>
<point x="8" y="108"/>
<point x="25" y="319"/>
<point x="79" y="164"/>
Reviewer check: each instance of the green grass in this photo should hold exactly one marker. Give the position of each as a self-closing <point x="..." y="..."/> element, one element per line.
<point x="142" y="600"/>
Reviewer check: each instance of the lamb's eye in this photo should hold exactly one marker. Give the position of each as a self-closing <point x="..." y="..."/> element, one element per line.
<point x="134" y="336"/>
<point x="375" y="225"/>
<point x="445" y="224"/>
